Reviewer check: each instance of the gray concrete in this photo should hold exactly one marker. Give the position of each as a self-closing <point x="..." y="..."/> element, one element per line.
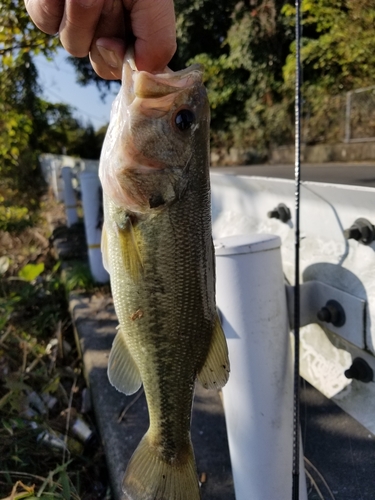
<point x="339" y="448"/>
<point x="358" y="174"/>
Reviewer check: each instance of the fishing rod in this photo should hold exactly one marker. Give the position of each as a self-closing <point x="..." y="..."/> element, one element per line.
<point x="297" y="176"/>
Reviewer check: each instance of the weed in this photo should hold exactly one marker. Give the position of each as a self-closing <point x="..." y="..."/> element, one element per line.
<point x="41" y="382"/>
<point x="77" y="276"/>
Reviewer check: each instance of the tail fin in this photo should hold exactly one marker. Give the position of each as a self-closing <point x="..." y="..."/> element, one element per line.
<point x="149" y="477"/>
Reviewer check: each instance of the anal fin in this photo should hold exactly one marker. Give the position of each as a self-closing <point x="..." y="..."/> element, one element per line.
<point x="215" y="371"/>
<point x="123" y="372"/>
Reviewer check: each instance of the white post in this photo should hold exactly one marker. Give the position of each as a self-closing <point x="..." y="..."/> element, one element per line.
<point x="45" y="165"/>
<point x="258" y="398"/>
<point x="70" y="200"/>
<point x="92" y="213"/>
<point x="56" y="179"/>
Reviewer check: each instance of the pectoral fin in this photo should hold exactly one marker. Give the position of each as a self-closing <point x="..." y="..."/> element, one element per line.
<point x="130" y="249"/>
<point x="104" y="249"/>
<point x="215" y="371"/>
<point x="123" y="372"/>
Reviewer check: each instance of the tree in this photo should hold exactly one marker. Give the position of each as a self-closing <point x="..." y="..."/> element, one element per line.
<point x="243" y="46"/>
<point x="338" y="55"/>
<point x="247" y="49"/>
<point x="338" y="50"/>
<point x="19" y="41"/>
<point x="60" y="131"/>
<point x="28" y="124"/>
<point x="251" y="81"/>
<point x="202" y="27"/>
<point x="245" y="81"/>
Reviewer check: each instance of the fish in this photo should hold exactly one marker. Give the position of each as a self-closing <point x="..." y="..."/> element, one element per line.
<point x="157" y="248"/>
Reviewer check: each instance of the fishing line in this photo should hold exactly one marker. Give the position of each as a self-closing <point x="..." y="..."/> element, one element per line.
<point x="297" y="176"/>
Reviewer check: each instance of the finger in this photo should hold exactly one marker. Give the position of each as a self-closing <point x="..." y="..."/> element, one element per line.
<point x="107" y="58"/>
<point x="46" y="14"/>
<point x="79" y="24"/>
<point x="154" y="26"/>
<point x="108" y="48"/>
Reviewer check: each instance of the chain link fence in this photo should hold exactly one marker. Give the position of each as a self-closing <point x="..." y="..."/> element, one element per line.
<point x="360" y="115"/>
<point x="345" y="118"/>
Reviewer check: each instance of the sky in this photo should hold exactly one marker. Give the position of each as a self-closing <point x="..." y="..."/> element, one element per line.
<point x="58" y="80"/>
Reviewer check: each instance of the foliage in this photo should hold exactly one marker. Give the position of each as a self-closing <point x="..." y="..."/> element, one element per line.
<point x="338" y="50"/>
<point x="77" y="276"/>
<point x="19" y="35"/>
<point x="41" y="380"/>
<point x="19" y="41"/>
<point x="251" y="81"/>
<point x="60" y="131"/>
<point x="337" y="54"/>
<point x="28" y="124"/>
<point x="247" y="48"/>
<point x="226" y="92"/>
<point x="13" y="218"/>
<point x="202" y="26"/>
<point x="17" y="210"/>
<point x="31" y="271"/>
<point x="245" y="82"/>
<point x="259" y="40"/>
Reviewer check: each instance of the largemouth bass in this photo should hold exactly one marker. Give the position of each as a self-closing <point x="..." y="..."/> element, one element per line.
<point x="157" y="247"/>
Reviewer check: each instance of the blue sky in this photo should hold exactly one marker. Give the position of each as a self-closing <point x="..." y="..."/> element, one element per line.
<point x="58" y="81"/>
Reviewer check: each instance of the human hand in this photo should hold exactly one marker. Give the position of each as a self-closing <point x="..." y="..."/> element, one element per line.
<point x="99" y="28"/>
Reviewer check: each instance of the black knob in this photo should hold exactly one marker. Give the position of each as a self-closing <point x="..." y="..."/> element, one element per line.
<point x="353" y="233"/>
<point x="332" y="312"/>
<point x="362" y="230"/>
<point x="325" y="315"/>
<point x="273" y="214"/>
<point x="360" y="370"/>
<point x="281" y="212"/>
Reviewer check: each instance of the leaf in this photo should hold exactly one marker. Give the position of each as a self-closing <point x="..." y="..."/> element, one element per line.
<point x="4" y="400"/>
<point x="64" y="480"/>
<point x="56" y="267"/>
<point x="4" y="264"/>
<point x="31" y="271"/>
<point x="52" y="386"/>
<point x="49" y="481"/>
<point x="28" y="491"/>
<point x="16" y="385"/>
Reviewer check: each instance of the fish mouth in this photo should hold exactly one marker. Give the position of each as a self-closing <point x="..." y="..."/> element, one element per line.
<point x="144" y="85"/>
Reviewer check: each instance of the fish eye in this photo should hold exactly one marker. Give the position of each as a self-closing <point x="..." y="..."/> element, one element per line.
<point x="184" y="119"/>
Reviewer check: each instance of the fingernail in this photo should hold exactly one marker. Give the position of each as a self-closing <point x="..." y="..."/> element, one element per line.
<point x="109" y="57"/>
